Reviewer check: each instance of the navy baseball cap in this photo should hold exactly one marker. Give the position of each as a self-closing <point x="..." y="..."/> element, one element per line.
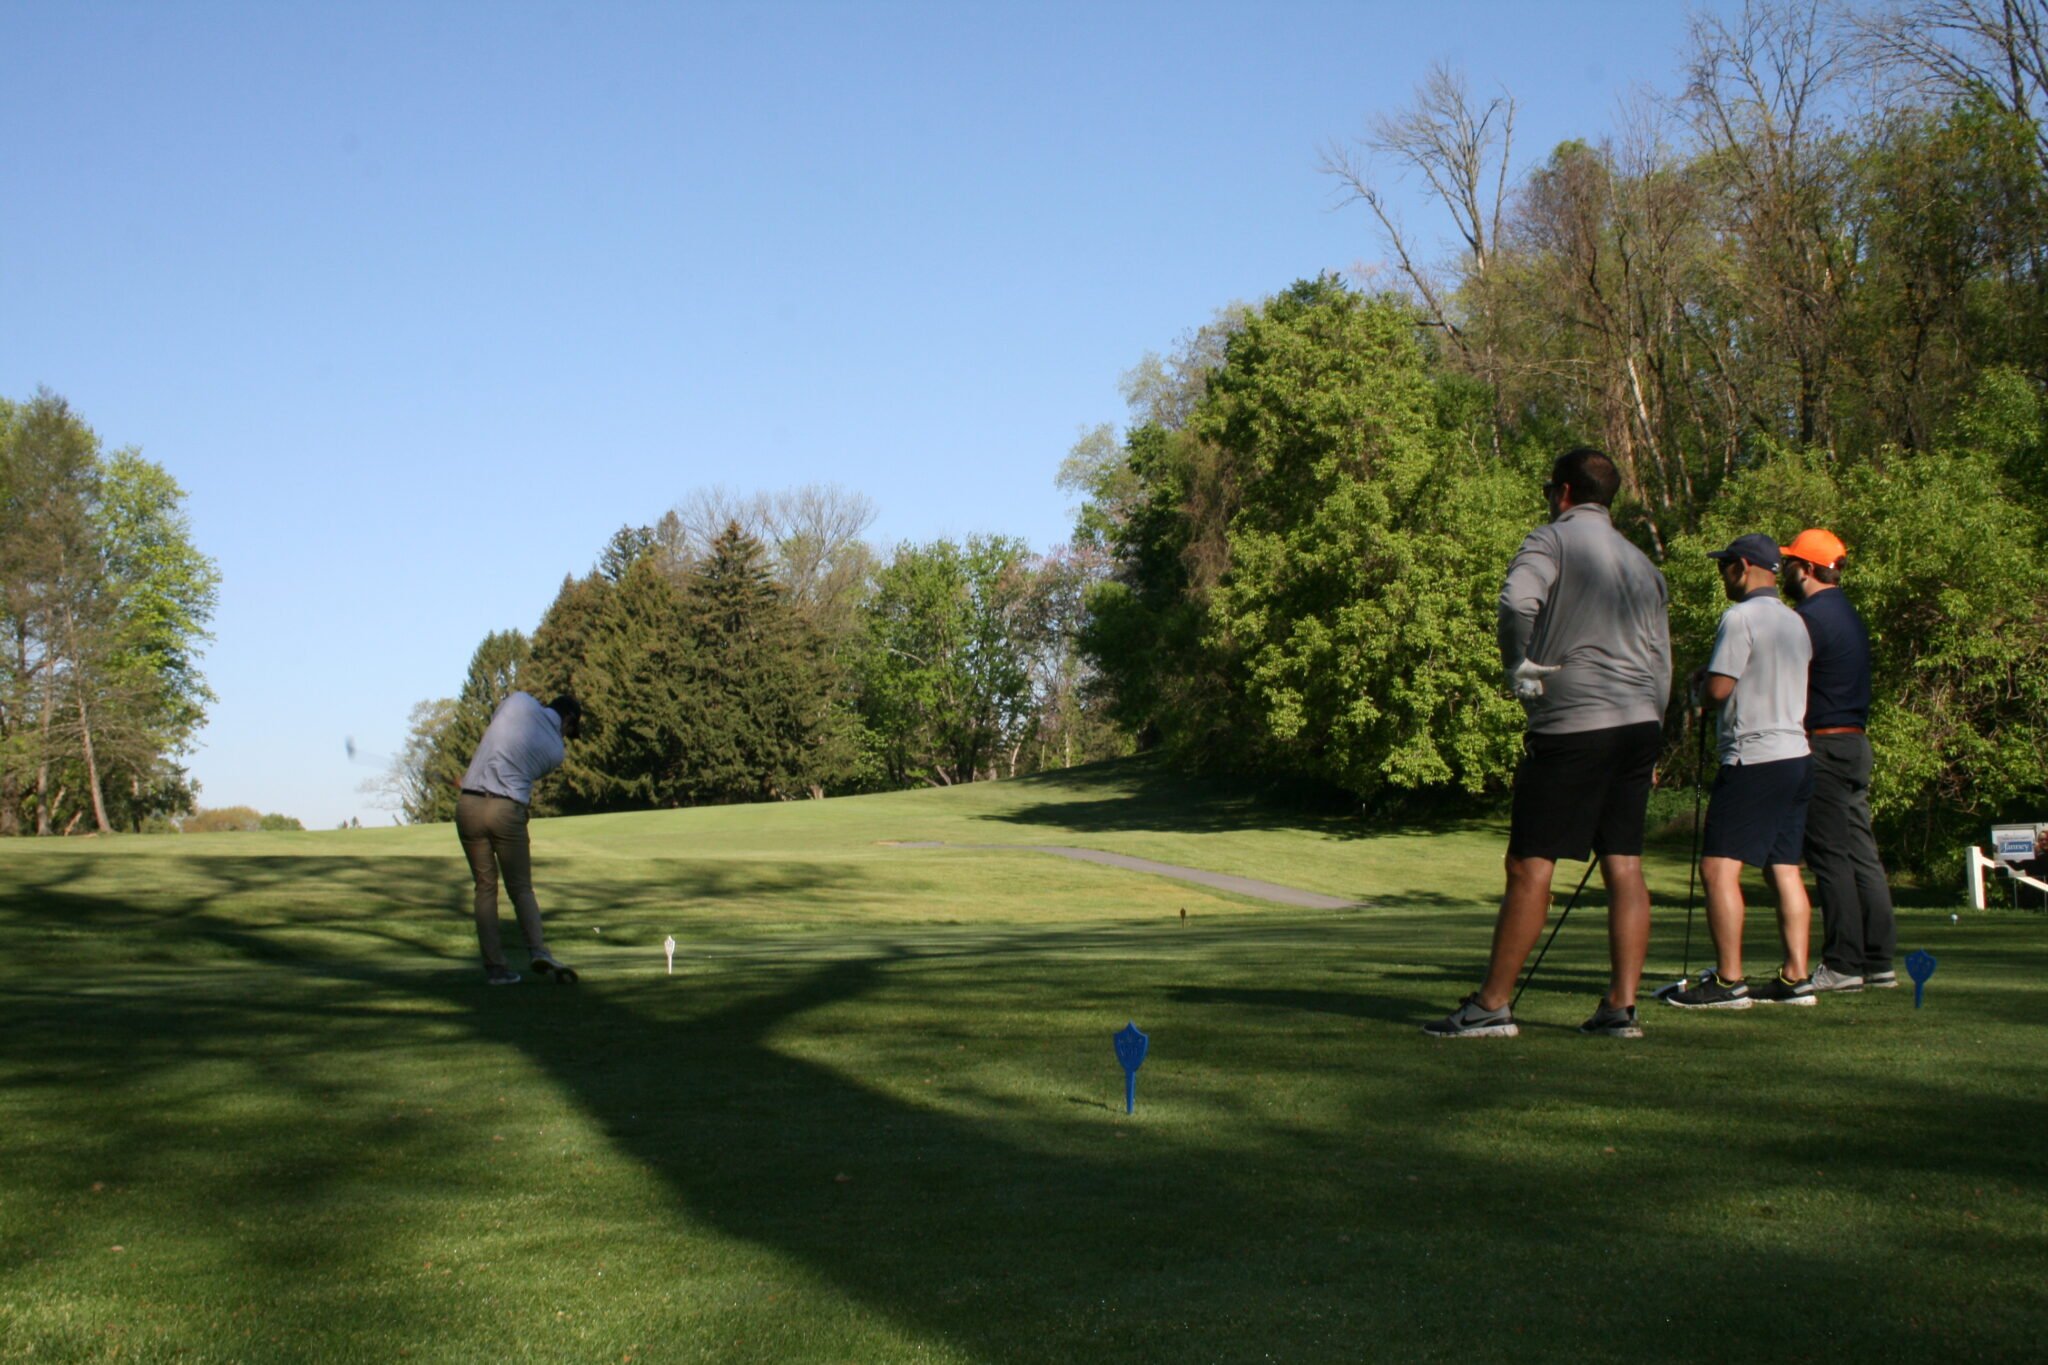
<point x="1760" y="550"/>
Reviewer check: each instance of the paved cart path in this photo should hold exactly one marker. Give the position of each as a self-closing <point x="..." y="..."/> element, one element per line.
<point x="1219" y="881"/>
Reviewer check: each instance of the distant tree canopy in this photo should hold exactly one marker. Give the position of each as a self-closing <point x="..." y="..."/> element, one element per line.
<point x="235" y="819"/>
<point x="104" y="604"/>
<point x="776" y="656"/>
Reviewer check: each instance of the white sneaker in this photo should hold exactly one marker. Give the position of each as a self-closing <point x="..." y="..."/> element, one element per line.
<point x="1826" y="978"/>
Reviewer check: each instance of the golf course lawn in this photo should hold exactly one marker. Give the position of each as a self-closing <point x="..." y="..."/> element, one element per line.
<point x="257" y="1104"/>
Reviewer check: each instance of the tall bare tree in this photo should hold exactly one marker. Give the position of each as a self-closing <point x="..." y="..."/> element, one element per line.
<point x="1946" y="48"/>
<point x="1463" y="150"/>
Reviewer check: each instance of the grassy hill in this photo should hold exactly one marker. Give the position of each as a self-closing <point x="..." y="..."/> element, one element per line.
<point x="256" y="1104"/>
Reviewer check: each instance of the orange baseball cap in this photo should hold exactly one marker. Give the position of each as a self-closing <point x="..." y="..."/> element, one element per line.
<point x="1816" y="546"/>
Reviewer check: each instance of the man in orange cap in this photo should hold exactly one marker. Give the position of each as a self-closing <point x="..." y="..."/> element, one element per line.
<point x="1858" y="934"/>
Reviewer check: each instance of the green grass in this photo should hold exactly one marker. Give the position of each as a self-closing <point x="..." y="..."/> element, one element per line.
<point x="874" y="1115"/>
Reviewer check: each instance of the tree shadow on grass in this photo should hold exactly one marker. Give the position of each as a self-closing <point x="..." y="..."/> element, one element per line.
<point x="1395" y="1009"/>
<point x="1145" y="795"/>
<point x="1201" y="1229"/>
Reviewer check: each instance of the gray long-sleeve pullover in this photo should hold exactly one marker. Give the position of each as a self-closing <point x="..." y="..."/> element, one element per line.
<point x="1579" y="595"/>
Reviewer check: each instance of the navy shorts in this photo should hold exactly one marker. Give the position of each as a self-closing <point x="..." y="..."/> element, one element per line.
<point x="1584" y="791"/>
<point x="1757" y="814"/>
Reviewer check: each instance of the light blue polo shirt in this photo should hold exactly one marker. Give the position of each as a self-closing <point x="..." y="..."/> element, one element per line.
<point x="522" y="744"/>
<point x="1764" y="646"/>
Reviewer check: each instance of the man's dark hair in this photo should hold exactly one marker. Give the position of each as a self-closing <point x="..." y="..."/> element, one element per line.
<point x="1830" y="574"/>
<point x="571" y="712"/>
<point x="1588" y="475"/>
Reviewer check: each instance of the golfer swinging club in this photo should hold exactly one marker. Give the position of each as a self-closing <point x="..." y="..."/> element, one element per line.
<point x="522" y="744"/>
<point x="1585" y="638"/>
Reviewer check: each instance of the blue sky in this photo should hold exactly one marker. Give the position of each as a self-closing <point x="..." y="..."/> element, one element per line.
<point x="420" y="303"/>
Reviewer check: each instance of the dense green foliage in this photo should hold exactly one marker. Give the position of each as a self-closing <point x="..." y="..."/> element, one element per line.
<point x="1307" y="566"/>
<point x="945" y="686"/>
<point x="104" y="604"/>
<point x="1365" y="551"/>
<point x="235" y="819"/>
<point x="711" y="690"/>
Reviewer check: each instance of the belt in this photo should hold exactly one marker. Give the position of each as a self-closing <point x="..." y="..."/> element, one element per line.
<point x="1837" y="730"/>
<point x="499" y="796"/>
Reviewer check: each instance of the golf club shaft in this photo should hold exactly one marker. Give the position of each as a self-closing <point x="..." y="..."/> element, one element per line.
<point x="1553" y="933"/>
<point x="1692" y="867"/>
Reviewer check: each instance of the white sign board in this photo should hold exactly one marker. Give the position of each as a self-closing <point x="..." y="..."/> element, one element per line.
<point x="2015" y="843"/>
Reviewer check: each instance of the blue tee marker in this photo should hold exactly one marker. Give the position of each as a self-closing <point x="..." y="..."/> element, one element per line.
<point x="1130" y="1051"/>
<point x="1919" y="966"/>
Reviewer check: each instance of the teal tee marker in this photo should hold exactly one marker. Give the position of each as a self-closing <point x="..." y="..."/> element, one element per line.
<point x="1130" y="1053"/>
<point x="1920" y="966"/>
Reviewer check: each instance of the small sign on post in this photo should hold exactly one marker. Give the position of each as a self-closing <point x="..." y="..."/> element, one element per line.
<point x="2015" y="843"/>
<point x="1130" y="1053"/>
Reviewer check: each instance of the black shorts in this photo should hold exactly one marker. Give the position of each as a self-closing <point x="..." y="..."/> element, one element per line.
<point x="1757" y="814"/>
<point x="1584" y="791"/>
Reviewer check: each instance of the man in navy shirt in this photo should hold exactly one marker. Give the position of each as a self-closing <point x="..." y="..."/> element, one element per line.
<point x="1859" y="935"/>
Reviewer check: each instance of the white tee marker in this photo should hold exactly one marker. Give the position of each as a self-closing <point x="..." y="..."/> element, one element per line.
<point x="670" y="944"/>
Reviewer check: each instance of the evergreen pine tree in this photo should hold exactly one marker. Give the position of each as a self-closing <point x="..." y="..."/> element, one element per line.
<point x="763" y="721"/>
<point x="634" y="683"/>
<point x="561" y="645"/>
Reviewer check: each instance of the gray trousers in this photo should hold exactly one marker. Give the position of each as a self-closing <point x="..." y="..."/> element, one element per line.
<point x="1859" y="935"/>
<point x="493" y="832"/>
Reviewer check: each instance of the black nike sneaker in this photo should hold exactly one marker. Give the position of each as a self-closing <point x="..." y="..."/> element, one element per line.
<point x="1712" y="994"/>
<point x="1613" y="1021"/>
<point x="1781" y="991"/>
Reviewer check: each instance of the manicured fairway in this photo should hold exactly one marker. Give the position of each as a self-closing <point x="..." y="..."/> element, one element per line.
<point x="256" y="1104"/>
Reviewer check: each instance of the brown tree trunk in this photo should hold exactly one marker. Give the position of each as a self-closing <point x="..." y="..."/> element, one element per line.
<point x="43" y="760"/>
<point x="92" y="771"/>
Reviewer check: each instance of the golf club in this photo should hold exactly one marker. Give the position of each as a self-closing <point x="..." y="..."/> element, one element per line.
<point x="356" y="755"/>
<point x="1699" y="787"/>
<point x="1595" y="858"/>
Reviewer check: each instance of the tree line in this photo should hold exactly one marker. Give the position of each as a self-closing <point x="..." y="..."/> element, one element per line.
<point x="104" y="604"/>
<point x="758" y="648"/>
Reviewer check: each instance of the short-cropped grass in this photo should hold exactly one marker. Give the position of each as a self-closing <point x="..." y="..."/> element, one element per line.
<point x="256" y="1104"/>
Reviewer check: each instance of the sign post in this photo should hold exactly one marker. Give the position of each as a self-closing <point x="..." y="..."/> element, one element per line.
<point x="1130" y="1053"/>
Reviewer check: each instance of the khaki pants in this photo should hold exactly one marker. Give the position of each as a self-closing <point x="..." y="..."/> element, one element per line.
<point x="493" y="832"/>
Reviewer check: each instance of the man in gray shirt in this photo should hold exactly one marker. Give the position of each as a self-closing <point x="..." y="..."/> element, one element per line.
<point x="1585" y="640"/>
<point x="1757" y="813"/>
<point x="522" y="744"/>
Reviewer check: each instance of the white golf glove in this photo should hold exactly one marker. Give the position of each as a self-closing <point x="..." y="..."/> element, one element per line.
<point x="1526" y="678"/>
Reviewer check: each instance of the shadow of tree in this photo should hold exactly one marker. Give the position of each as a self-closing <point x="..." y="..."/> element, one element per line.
<point x="1145" y="795"/>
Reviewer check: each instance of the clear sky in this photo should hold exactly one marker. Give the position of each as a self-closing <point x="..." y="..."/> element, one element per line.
<point x="420" y="302"/>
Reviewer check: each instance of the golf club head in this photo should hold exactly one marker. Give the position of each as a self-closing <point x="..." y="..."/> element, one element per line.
<point x="1666" y="992"/>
